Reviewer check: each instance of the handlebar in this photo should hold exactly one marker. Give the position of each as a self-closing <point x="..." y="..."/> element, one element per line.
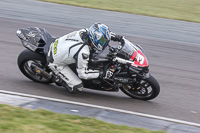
<point x="123" y="61"/>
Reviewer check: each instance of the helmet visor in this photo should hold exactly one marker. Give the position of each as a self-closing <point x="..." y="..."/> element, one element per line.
<point x="102" y="41"/>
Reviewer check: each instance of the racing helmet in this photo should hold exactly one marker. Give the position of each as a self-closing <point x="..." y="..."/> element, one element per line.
<point x="99" y="35"/>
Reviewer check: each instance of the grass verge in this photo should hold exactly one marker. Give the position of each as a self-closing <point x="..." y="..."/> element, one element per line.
<point x="19" y="120"/>
<point x="187" y="10"/>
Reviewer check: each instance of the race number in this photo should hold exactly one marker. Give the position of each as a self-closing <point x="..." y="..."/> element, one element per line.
<point x="140" y="59"/>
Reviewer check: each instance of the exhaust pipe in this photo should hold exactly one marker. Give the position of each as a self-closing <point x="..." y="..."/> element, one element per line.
<point x="40" y="71"/>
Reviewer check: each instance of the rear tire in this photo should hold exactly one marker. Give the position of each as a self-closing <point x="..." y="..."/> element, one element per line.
<point x="25" y="58"/>
<point x="146" y="83"/>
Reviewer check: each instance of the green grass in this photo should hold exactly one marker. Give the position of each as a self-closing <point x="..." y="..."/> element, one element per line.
<point x="188" y="10"/>
<point x="18" y="120"/>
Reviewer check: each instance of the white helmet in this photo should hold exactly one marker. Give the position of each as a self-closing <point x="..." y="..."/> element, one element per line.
<point x="99" y="35"/>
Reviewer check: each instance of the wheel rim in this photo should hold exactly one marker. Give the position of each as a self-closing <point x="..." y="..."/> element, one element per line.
<point x="33" y="75"/>
<point x="139" y="90"/>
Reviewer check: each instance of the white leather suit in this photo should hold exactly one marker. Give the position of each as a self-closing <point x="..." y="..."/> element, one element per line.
<point x="69" y="49"/>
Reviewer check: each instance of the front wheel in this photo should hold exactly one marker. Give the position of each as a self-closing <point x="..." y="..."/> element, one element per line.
<point x="145" y="89"/>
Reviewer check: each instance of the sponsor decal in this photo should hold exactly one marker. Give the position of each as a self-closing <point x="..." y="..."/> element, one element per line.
<point x="30" y="34"/>
<point x="55" y="47"/>
<point x="72" y="40"/>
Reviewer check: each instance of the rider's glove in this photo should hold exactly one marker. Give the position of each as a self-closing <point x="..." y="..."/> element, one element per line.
<point x="107" y="74"/>
<point x="118" y="38"/>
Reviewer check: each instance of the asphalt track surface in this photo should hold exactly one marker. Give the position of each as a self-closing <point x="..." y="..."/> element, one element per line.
<point x="172" y="48"/>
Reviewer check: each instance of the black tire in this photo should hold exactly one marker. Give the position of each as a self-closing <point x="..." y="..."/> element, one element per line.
<point x="24" y="60"/>
<point x="150" y="82"/>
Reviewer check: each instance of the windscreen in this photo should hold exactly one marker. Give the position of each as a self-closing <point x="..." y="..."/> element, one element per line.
<point x="128" y="49"/>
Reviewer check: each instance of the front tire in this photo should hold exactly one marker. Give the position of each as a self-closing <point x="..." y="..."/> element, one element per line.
<point x="146" y="89"/>
<point x="25" y="59"/>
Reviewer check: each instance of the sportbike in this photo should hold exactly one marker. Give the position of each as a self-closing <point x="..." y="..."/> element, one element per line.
<point x="126" y="66"/>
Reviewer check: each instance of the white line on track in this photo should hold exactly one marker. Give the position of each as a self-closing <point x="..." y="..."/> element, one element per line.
<point x="102" y="107"/>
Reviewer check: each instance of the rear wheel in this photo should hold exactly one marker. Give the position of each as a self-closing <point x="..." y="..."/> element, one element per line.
<point x="145" y="89"/>
<point x="25" y="59"/>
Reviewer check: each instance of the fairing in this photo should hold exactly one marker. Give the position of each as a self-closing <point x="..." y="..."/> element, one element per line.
<point x="35" y="39"/>
<point x="135" y="54"/>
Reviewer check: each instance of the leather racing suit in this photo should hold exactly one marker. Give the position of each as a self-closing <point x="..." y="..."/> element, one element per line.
<point x="68" y="49"/>
<point x="73" y="48"/>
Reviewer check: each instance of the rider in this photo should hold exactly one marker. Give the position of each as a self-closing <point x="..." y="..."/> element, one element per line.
<point x="76" y="47"/>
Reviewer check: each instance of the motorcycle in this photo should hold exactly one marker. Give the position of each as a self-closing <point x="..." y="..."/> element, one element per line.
<point x="126" y="67"/>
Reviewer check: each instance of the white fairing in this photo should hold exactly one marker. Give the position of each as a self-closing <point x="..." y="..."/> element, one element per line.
<point x="63" y="50"/>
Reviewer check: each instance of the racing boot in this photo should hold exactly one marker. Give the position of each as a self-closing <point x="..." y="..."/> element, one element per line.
<point x="75" y="89"/>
